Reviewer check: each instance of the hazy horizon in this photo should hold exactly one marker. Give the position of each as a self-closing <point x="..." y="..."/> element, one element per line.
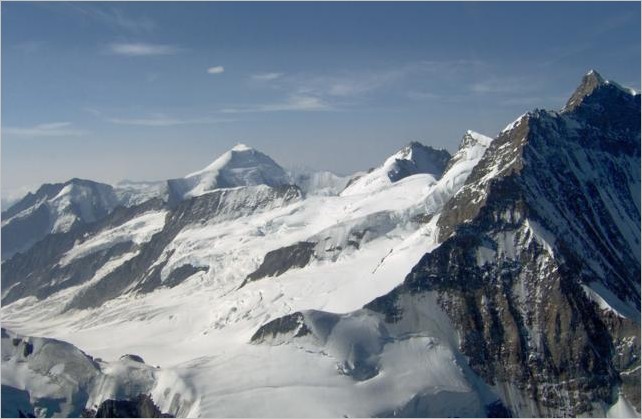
<point x="151" y="91"/>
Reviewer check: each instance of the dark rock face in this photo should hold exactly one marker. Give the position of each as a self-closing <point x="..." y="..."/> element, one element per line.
<point x="292" y="323"/>
<point x="497" y="410"/>
<point x="132" y="357"/>
<point x="183" y="272"/>
<point x="419" y="159"/>
<point x="141" y="407"/>
<point x="15" y="403"/>
<point x="591" y="81"/>
<point x="549" y="211"/>
<point x="538" y="333"/>
<point x="281" y="260"/>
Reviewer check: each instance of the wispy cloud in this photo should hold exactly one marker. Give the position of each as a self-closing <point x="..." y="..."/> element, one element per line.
<point x="338" y="90"/>
<point x="538" y="101"/>
<point x="141" y="49"/>
<point x="351" y="84"/>
<point x="298" y="103"/>
<point x="347" y="84"/>
<point x="266" y="76"/>
<point x="615" y="22"/>
<point x="219" y="69"/>
<point x="53" y="129"/>
<point x="292" y="103"/>
<point x="28" y="47"/>
<point x="162" y="120"/>
<point x="114" y="18"/>
<point x="422" y="95"/>
<point x="12" y="195"/>
<point x="505" y="85"/>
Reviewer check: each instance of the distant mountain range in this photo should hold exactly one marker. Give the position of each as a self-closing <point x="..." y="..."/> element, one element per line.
<point x="503" y="280"/>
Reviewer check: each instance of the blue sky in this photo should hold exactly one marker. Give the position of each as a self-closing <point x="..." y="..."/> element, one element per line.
<point x="155" y="90"/>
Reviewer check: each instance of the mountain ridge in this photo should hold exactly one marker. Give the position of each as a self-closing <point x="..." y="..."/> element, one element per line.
<point x="519" y="289"/>
<point x="505" y="283"/>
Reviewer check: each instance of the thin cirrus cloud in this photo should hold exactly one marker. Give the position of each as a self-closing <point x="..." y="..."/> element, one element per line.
<point x="266" y="76"/>
<point x="336" y="91"/>
<point x="505" y="85"/>
<point x="161" y="120"/>
<point x="28" y="47"/>
<point x="113" y="17"/>
<point x="142" y="49"/>
<point x="309" y="92"/>
<point x="219" y="69"/>
<point x="53" y="129"/>
<point x="359" y="83"/>
<point x="292" y="103"/>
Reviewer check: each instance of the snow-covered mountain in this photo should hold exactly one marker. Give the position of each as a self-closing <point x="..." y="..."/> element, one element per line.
<point x="217" y="242"/>
<point x="240" y="166"/>
<point x="131" y="193"/>
<point x="537" y="269"/>
<point x="318" y="182"/>
<point x="59" y="208"/>
<point x="54" y="208"/>
<point x="502" y="280"/>
<point x="412" y="159"/>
